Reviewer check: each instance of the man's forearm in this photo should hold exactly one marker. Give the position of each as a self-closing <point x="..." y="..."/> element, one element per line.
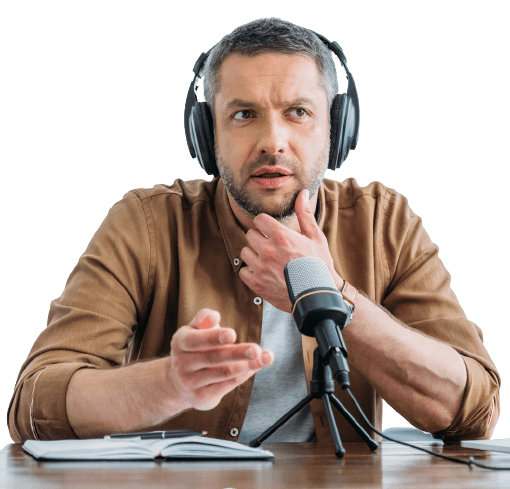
<point x="100" y="402"/>
<point x="421" y="378"/>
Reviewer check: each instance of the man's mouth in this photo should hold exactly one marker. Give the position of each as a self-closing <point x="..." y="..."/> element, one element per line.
<point x="270" y="175"/>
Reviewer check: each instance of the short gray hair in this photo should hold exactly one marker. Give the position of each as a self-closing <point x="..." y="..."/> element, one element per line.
<point x="271" y="35"/>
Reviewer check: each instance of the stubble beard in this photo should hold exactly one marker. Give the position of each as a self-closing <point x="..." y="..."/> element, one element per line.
<point x="253" y="205"/>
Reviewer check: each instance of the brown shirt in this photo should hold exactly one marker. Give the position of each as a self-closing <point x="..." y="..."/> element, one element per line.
<point x="162" y="254"/>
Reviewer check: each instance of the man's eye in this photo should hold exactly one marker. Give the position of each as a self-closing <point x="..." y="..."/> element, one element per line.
<point x="241" y="115"/>
<point x="300" y="113"/>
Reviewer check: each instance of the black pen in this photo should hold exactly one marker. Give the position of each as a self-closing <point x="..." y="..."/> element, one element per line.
<point x="150" y="435"/>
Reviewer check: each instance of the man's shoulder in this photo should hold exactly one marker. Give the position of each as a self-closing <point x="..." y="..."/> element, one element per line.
<point x="186" y="193"/>
<point x="349" y="192"/>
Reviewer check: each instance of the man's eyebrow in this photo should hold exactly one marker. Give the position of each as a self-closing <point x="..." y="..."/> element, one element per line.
<point x="237" y="102"/>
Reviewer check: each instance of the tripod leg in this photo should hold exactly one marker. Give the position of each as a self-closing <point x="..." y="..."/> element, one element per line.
<point x="339" y="449"/>
<point x="256" y="442"/>
<point x="372" y="444"/>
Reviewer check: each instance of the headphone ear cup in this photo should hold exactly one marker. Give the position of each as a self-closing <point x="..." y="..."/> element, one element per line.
<point x="205" y="137"/>
<point x="343" y="126"/>
<point x="336" y="132"/>
<point x="349" y="142"/>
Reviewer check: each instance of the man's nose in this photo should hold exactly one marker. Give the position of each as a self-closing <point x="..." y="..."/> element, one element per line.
<point x="274" y="135"/>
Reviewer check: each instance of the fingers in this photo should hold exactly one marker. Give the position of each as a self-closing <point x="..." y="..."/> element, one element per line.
<point x="214" y="347"/>
<point x="209" y="395"/>
<point x="228" y="371"/>
<point x="203" y="333"/>
<point x="188" y="339"/>
<point x="305" y="216"/>
<point x="222" y="356"/>
<point x="206" y="318"/>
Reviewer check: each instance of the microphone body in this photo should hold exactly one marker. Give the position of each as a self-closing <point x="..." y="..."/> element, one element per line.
<point x="332" y="349"/>
<point x="319" y="311"/>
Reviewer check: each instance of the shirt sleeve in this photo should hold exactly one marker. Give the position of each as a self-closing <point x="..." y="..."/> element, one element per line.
<point x="89" y="325"/>
<point x="419" y="294"/>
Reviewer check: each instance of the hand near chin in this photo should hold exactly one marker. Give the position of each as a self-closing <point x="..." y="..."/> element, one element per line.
<point x="271" y="245"/>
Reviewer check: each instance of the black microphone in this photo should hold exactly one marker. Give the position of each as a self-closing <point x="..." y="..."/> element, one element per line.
<point x="319" y="311"/>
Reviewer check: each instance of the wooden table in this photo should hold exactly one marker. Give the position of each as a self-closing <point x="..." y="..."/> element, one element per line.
<point x="297" y="465"/>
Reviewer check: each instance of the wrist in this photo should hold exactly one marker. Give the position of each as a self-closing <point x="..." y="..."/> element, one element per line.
<point x="339" y="281"/>
<point x="349" y="295"/>
<point x="174" y="400"/>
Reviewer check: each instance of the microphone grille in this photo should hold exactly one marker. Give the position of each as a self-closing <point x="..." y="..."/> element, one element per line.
<point x="308" y="273"/>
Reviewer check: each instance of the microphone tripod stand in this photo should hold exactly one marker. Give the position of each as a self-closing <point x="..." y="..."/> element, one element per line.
<point x="322" y="386"/>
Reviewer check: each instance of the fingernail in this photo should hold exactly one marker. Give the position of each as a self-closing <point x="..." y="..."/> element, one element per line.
<point x="249" y="354"/>
<point x="266" y="358"/>
<point x="206" y="323"/>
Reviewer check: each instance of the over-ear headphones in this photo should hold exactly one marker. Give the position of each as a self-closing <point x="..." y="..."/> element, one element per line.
<point x="344" y="119"/>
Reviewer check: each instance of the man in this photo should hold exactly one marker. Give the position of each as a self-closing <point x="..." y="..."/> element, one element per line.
<point x="183" y="286"/>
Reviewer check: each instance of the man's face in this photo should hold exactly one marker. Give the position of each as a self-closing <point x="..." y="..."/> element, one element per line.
<point x="271" y="131"/>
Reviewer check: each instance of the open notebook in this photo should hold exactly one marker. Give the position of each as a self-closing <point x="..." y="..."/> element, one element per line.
<point x="189" y="447"/>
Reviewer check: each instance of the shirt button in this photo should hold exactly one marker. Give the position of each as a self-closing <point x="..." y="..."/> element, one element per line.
<point x="257" y="301"/>
<point x="236" y="261"/>
<point x="234" y="432"/>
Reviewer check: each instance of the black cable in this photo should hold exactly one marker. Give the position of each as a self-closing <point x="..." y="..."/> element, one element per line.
<point x="469" y="462"/>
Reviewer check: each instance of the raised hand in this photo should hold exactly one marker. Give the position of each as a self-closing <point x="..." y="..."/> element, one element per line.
<point x="205" y="363"/>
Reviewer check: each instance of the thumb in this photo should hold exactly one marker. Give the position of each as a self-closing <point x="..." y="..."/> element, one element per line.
<point x="305" y="215"/>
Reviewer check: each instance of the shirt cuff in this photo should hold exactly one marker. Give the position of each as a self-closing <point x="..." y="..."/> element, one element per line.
<point x="48" y="413"/>
<point x="473" y="417"/>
